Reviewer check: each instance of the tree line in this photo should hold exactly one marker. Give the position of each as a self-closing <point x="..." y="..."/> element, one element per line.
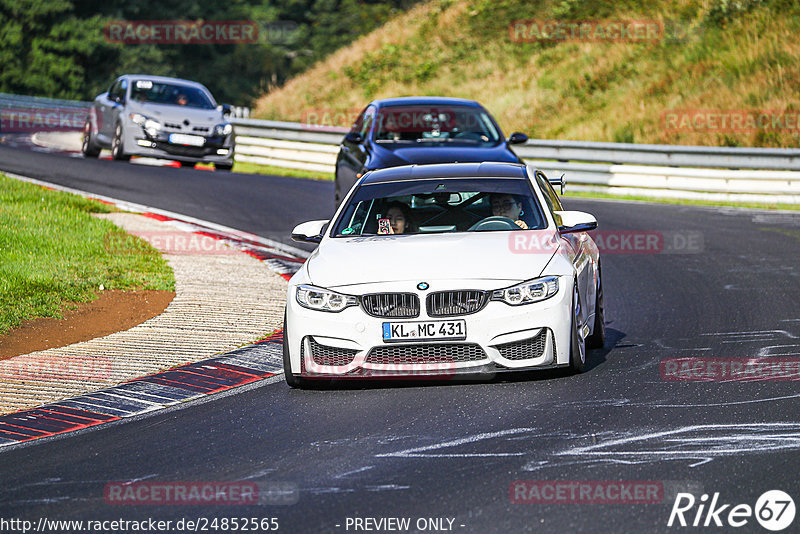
<point x="62" y="48"/>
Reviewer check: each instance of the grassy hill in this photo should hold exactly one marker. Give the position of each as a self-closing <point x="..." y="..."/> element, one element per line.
<point x="714" y="55"/>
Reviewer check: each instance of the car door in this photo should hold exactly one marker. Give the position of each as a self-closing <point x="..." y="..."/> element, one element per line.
<point x="106" y="117"/>
<point x="118" y="105"/>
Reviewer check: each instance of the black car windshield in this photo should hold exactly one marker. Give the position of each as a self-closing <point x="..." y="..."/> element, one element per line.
<point x="435" y="124"/>
<point x="440" y="205"/>
<point x="171" y="94"/>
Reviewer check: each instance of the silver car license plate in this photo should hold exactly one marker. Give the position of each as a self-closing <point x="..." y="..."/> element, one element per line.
<point x="424" y="330"/>
<point x="184" y="139"/>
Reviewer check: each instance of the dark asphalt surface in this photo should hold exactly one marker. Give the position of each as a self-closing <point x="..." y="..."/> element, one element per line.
<point x="452" y="450"/>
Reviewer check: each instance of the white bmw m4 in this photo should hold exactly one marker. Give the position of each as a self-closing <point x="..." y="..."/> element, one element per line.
<point x="439" y="270"/>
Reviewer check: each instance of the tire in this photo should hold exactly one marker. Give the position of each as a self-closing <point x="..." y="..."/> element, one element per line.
<point x="598" y="338"/>
<point x="88" y="148"/>
<point x="292" y="380"/>
<point x="117" y="146"/>
<point x="223" y="166"/>
<point x="189" y="164"/>
<point x="577" y="348"/>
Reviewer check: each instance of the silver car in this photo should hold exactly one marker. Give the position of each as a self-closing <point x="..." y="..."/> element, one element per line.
<point x="159" y="117"/>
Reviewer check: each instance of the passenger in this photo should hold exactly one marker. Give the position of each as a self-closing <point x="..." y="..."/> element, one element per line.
<point x="182" y="100"/>
<point x="505" y="205"/>
<point x="399" y="215"/>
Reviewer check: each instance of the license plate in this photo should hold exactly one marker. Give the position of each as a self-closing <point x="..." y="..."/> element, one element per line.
<point x="424" y="330"/>
<point x="183" y="139"/>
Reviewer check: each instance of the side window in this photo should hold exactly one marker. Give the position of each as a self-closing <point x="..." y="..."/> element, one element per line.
<point x="115" y="90"/>
<point x="369" y="116"/>
<point x="359" y="122"/>
<point x="550" y="195"/>
<point x="123" y="89"/>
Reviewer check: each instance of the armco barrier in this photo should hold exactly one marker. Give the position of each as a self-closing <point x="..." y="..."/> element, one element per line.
<point x="694" y="172"/>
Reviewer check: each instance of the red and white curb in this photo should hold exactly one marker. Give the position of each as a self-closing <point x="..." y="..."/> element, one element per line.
<point x="245" y="365"/>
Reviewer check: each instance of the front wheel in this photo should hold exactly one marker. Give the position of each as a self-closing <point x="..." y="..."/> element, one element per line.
<point x="598" y="338"/>
<point x="117" y="147"/>
<point x="88" y="148"/>
<point x="577" y="349"/>
<point x="223" y="166"/>
<point x="292" y="380"/>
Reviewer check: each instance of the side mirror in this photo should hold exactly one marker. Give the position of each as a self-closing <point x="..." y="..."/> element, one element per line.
<point x="226" y="110"/>
<point x="353" y="137"/>
<point x="560" y="182"/>
<point x="517" y="138"/>
<point x="575" y="221"/>
<point x="309" y="232"/>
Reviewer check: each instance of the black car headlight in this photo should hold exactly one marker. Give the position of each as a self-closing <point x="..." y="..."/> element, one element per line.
<point x="320" y="299"/>
<point x="223" y="129"/>
<point x="535" y="290"/>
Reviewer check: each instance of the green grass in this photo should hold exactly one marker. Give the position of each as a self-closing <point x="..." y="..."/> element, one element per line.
<point x="54" y="253"/>
<point x="254" y="168"/>
<point x="713" y="55"/>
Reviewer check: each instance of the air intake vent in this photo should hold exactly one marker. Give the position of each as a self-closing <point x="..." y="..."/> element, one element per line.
<point x="453" y="303"/>
<point x="391" y="305"/>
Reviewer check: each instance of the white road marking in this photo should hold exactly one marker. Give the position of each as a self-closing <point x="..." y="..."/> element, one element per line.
<point x="417" y="452"/>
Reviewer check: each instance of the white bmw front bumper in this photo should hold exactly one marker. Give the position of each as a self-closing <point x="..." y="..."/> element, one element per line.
<point x="499" y="337"/>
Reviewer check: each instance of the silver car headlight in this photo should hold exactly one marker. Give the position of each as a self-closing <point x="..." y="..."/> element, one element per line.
<point x="317" y="298"/>
<point x="535" y="290"/>
<point x="150" y="126"/>
<point x="223" y="129"/>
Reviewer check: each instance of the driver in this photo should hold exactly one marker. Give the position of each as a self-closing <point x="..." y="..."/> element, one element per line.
<point x="505" y="205"/>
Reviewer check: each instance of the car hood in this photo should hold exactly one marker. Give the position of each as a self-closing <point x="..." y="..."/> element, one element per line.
<point x="393" y="155"/>
<point x="457" y="256"/>
<point x="177" y="114"/>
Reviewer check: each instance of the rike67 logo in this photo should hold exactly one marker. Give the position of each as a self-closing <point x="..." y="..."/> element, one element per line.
<point x="774" y="510"/>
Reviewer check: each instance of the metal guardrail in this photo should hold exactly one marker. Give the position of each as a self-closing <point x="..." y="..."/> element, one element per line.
<point x="716" y="173"/>
<point x="713" y="173"/>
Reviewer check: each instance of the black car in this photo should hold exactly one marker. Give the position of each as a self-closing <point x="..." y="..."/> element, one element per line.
<point x="402" y="131"/>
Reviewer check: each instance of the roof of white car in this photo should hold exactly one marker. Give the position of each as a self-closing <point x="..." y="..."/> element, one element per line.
<point x="447" y="170"/>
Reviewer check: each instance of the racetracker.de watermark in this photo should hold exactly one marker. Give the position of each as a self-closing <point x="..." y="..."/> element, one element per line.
<point x="552" y="31"/>
<point x="201" y="493"/>
<point x="63" y="367"/>
<point x="199" y="32"/>
<point x="326" y="118"/>
<point x="181" y="32"/>
<point x="167" y="242"/>
<point x="43" y="118"/>
<point x="586" y="492"/>
<point x="729" y="120"/>
<point x="729" y="369"/>
<point x="614" y="242"/>
<point x="601" y="31"/>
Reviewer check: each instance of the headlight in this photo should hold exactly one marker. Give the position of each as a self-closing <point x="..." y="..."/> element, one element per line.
<point x="317" y="298"/>
<point x="223" y="129"/>
<point x="527" y="292"/>
<point x="150" y="126"/>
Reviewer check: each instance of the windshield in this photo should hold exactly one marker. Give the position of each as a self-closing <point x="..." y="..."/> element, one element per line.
<point x="440" y="205"/>
<point x="171" y="94"/>
<point x="435" y="124"/>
